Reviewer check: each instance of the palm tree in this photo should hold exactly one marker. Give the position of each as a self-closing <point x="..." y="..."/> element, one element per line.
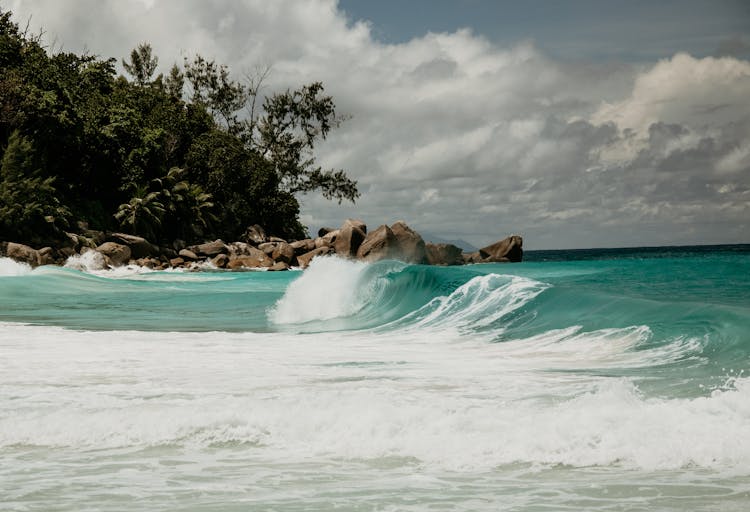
<point x="143" y="214"/>
<point x="189" y="207"/>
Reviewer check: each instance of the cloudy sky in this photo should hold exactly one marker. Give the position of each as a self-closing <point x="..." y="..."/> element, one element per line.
<point x="575" y="124"/>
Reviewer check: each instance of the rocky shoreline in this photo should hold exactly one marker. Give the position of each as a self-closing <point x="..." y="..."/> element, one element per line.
<point x="256" y="250"/>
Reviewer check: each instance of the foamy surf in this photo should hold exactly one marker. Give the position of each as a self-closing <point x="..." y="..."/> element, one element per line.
<point x="9" y="267"/>
<point x="453" y="409"/>
<point x="615" y="385"/>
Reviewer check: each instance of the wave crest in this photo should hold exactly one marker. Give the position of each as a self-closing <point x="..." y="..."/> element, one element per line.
<point x="337" y="294"/>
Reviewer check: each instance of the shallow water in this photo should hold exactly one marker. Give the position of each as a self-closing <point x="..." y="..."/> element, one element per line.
<point x="618" y="383"/>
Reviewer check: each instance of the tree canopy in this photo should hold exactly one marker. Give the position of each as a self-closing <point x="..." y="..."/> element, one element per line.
<point x="192" y="154"/>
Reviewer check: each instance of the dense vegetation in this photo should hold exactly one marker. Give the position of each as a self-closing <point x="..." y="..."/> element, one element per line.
<point x="191" y="154"/>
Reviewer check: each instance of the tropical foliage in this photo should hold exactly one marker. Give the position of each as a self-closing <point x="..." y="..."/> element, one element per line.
<point x="192" y="154"/>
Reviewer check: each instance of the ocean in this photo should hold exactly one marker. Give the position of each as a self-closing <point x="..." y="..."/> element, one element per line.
<point x="614" y="379"/>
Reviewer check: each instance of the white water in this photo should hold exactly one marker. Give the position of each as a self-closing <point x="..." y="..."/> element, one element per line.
<point x="9" y="267"/>
<point x="265" y="416"/>
<point x="329" y="289"/>
<point x="434" y="414"/>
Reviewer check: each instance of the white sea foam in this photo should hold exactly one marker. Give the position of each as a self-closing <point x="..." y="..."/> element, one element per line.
<point x="10" y="267"/>
<point x="356" y="396"/>
<point x="327" y="289"/>
<point x="89" y="261"/>
<point x="480" y="302"/>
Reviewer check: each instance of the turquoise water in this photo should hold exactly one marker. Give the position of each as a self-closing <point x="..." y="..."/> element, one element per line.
<point x="609" y="379"/>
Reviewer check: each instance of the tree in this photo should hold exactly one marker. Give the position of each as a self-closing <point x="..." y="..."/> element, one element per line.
<point x="142" y="215"/>
<point x="142" y="64"/>
<point x="194" y="154"/>
<point x="189" y="209"/>
<point x="287" y="132"/>
<point x="29" y="206"/>
<point x="244" y="187"/>
<point x="211" y="86"/>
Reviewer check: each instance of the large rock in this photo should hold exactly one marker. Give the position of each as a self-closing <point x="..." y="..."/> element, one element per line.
<point x="305" y="259"/>
<point x="378" y="245"/>
<point x="210" y="249"/>
<point x="471" y="257"/>
<point x="350" y="236"/>
<point x="330" y="237"/>
<point x="139" y="246"/>
<point x="322" y="242"/>
<point x="356" y="223"/>
<point x="244" y="255"/>
<point x="303" y="246"/>
<point x="240" y="249"/>
<point x="249" y="262"/>
<point x="443" y="254"/>
<point x="508" y="249"/>
<point x="283" y="252"/>
<point x="409" y="244"/>
<point x="116" y="254"/>
<point x="267" y="247"/>
<point x="188" y="255"/>
<point x="23" y="253"/>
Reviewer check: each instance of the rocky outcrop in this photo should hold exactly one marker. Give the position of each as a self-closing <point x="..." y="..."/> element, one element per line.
<point x="443" y="254"/>
<point x="507" y="250"/>
<point x="260" y="251"/>
<point x="349" y="238"/>
<point x="409" y="244"/>
<point x="398" y="242"/>
<point x="378" y="245"/>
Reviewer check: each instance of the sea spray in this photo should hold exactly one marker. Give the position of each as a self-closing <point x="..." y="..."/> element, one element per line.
<point x="89" y="261"/>
<point x="9" y="267"/>
<point x="329" y="288"/>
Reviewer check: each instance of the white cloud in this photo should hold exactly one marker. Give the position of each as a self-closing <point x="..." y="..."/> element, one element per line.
<point x="466" y="139"/>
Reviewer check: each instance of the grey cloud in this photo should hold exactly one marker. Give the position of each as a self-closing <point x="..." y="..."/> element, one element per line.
<point x="465" y="139"/>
